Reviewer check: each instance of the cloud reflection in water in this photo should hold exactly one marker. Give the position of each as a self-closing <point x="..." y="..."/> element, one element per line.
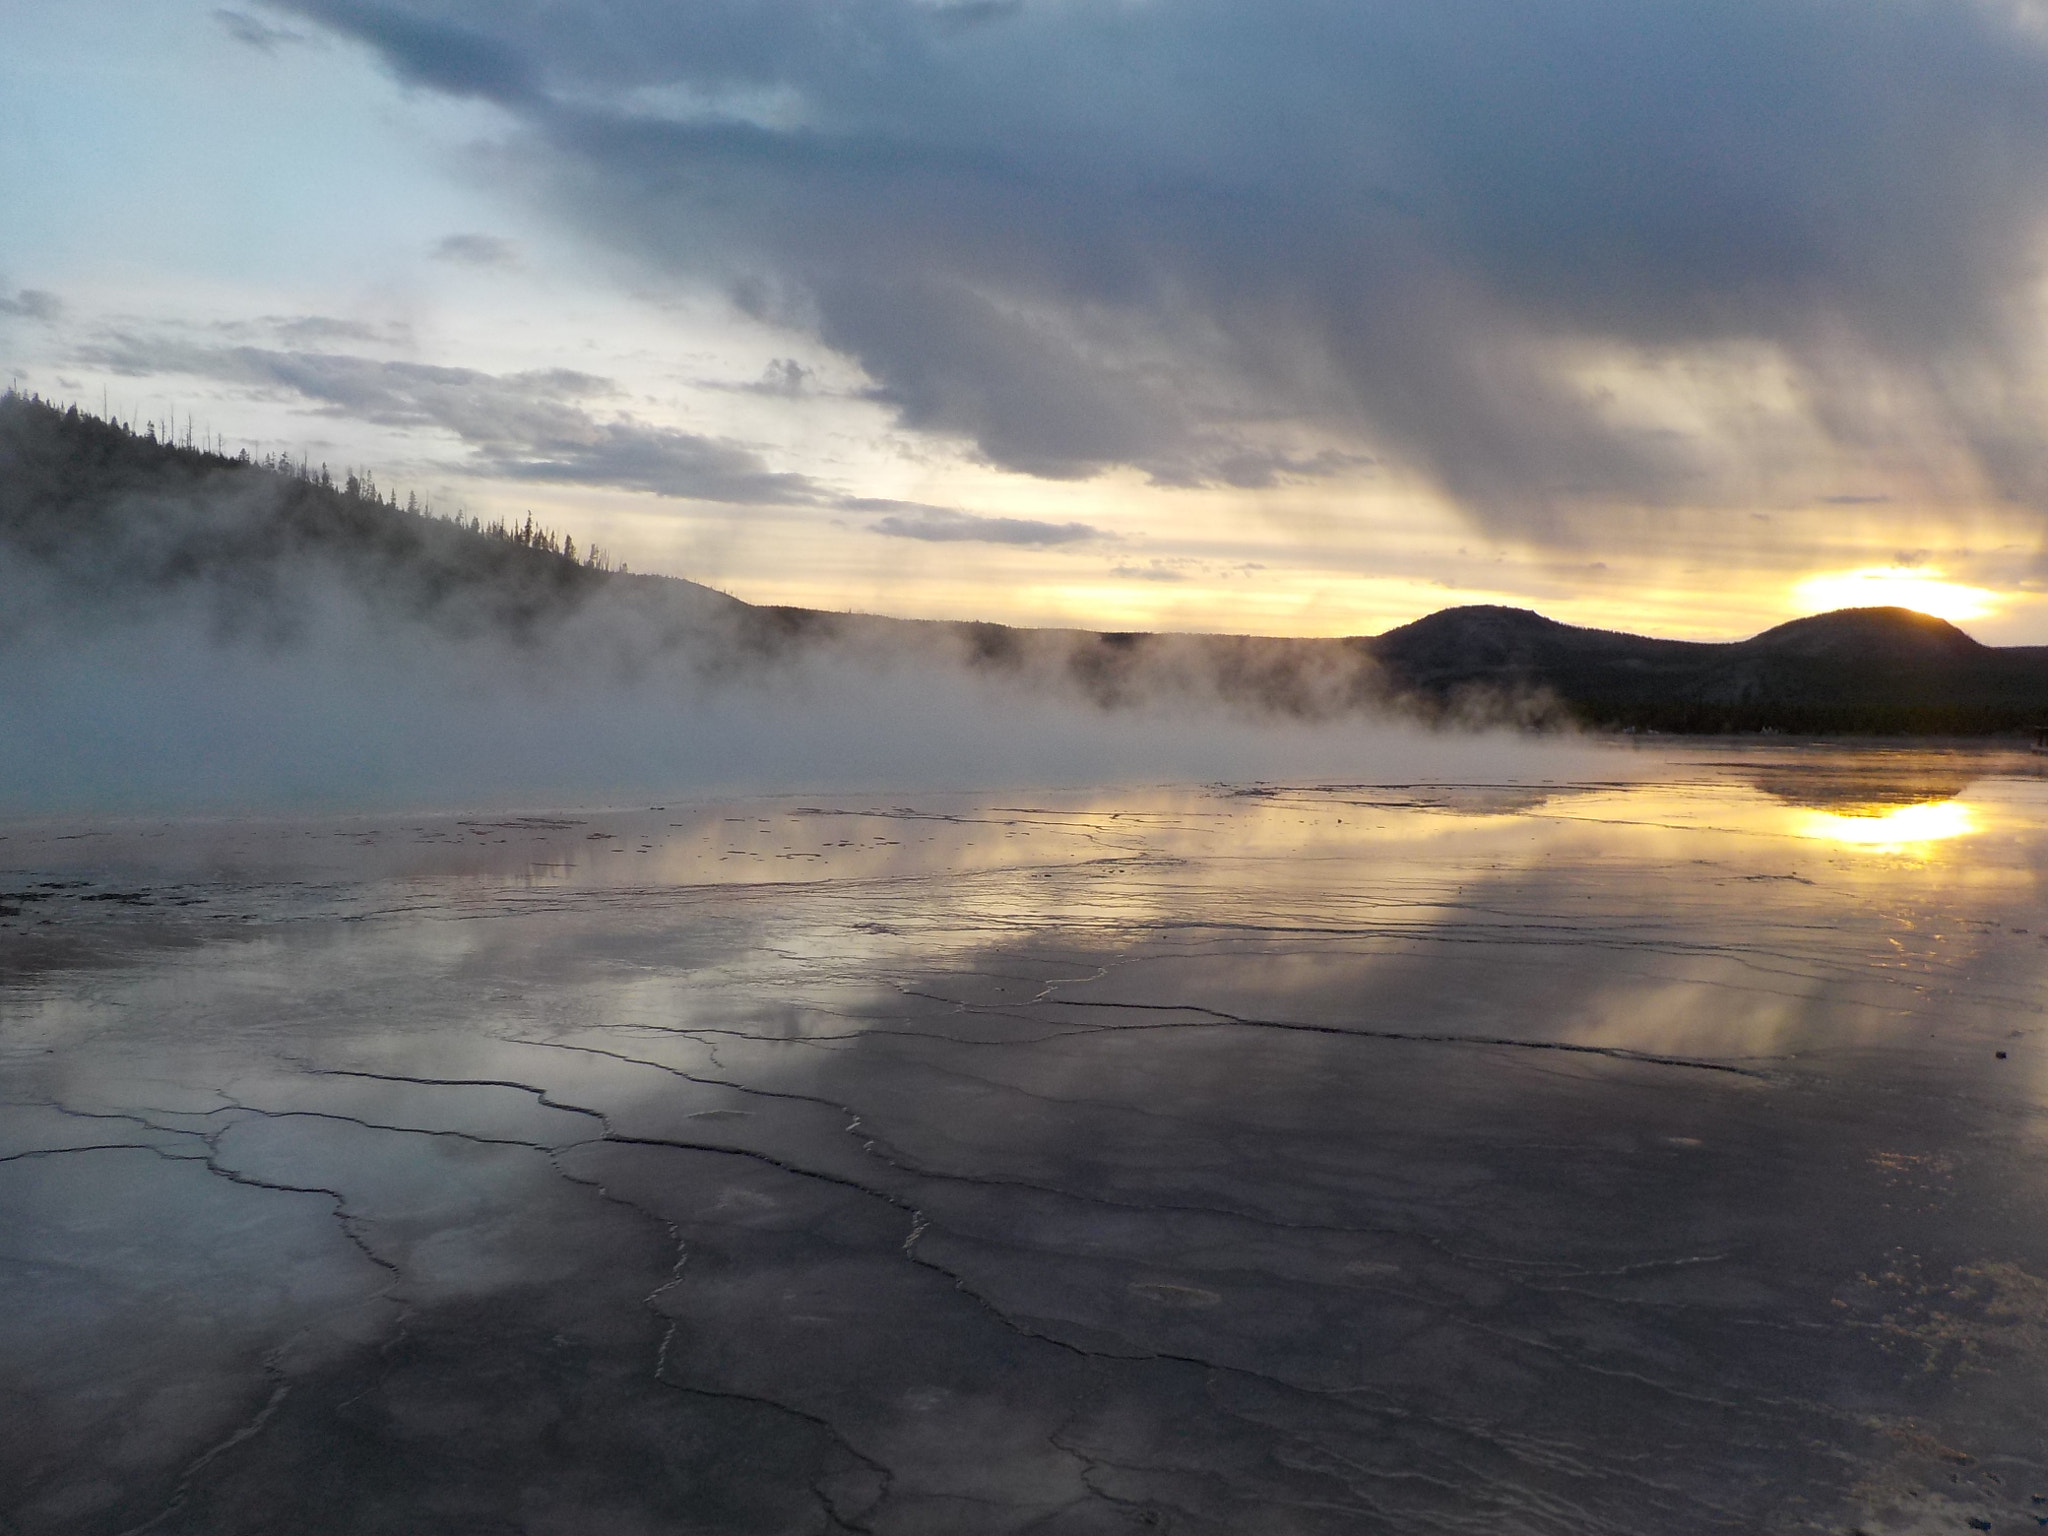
<point x="1208" y="1160"/>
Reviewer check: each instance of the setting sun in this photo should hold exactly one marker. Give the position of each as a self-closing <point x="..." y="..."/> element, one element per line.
<point x="1893" y="586"/>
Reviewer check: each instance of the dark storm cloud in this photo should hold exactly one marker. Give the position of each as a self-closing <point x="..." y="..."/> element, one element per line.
<point x="444" y="56"/>
<point x="1142" y="233"/>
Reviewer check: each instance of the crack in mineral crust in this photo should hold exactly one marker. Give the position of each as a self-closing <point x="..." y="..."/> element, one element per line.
<point x="1220" y="1268"/>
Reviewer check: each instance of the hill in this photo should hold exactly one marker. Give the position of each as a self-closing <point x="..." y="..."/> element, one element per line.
<point x="96" y="519"/>
<point x="1886" y="671"/>
<point x="95" y="512"/>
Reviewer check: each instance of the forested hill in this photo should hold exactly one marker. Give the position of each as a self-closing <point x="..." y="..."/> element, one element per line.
<point x="98" y="519"/>
<point x="97" y="511"/>
<point x="1883" y="671"/>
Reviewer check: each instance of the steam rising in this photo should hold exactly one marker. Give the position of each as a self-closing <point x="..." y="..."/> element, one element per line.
<point x="184" y="632"/>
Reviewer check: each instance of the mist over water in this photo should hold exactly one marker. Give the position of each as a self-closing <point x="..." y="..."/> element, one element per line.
<point x="223" y="638"/>
<point x="170" y="712"/>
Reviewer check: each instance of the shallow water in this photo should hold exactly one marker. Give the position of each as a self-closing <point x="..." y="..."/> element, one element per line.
<point x="1663" y="1154"/>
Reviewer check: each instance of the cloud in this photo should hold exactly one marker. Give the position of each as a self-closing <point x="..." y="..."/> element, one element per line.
<point x="785" y="378"/>
<point x="657" y="459"/>
<point x="32" y="304"/>
<point x="538" y="425"/>
<point x="1156" y="571"/>
<point x="529" y="426"/>
<point x="312" y="330"/>
<point x="254" y="32"/>
<point x="449" y="56"/>
<point x="477" y="251"/>
<point x="1171" y="236"/>
<point x="1257" y="469"/>
<point x="944" y="525"/>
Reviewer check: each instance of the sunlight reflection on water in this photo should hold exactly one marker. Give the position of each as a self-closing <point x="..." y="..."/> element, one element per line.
<point x="1899" y="829"/>
<point x="1229" y="1141"/>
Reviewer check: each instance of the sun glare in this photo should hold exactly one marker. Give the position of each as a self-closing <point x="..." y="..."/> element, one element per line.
<point x="1895" y="586"/>
<point x="1901" y="830"/>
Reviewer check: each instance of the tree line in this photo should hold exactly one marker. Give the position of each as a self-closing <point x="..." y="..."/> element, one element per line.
<point x="360" y="488"/>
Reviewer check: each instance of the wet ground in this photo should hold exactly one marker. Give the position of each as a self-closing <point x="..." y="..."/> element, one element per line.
<point x="1658" y="1155"/>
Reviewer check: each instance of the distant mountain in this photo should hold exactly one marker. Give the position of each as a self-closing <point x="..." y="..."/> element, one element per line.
<point x="95" y="519"/>
<point x="1854" y="671"/>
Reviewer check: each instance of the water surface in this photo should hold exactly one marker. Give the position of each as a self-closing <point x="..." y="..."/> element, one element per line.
<point x="1660" y="1154"/>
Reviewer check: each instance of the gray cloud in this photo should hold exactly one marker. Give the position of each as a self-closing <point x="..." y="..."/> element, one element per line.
<point x="1256" y="469"/>
<point x="1082" y="236"/>
<point x="531" y="426"/>
<point x="944" y="525"/>
<point x="538" y="426"/>
<point x="32" y="304"/>
<point x="477" y="251"/>
<point x="657" y="459"/>
<point x="254" y="32"/>
<point x="785" y="378"/>
<point x="312" y="330"/>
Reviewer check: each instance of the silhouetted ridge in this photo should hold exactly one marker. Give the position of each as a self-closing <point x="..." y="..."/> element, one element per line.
<point x="102" y="513"/>
<point x="1854" y="671"/>
<point x="1861" y="634"/>
<point x="1491" y="641"/>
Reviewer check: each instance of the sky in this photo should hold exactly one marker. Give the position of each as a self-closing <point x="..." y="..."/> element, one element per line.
<point x="1307" y="317"/>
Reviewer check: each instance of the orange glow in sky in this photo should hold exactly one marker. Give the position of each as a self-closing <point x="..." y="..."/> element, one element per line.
<point x="1895" y="586"/>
